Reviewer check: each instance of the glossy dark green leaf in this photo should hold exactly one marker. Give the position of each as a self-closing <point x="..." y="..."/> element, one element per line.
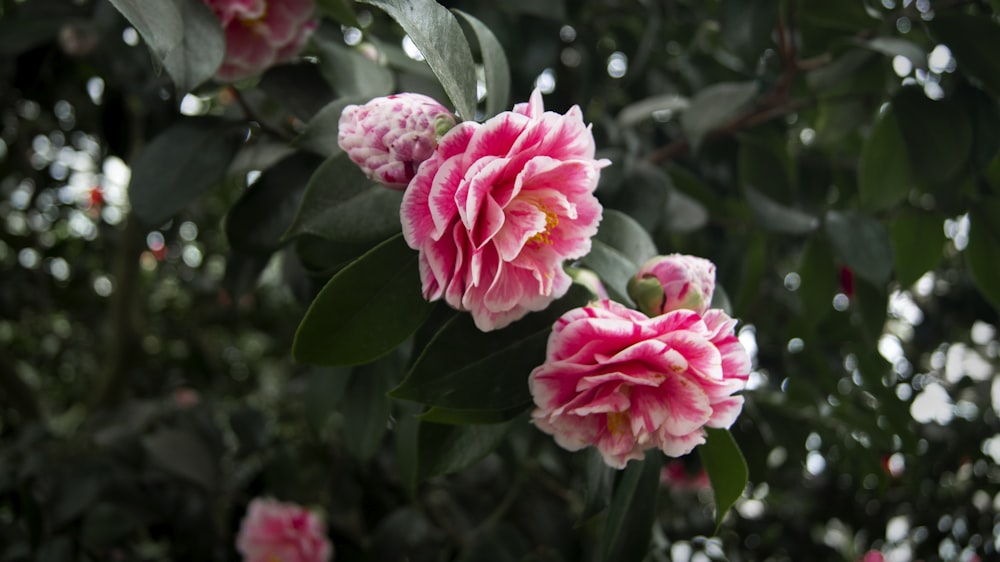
<point x="320" y="134"/>
<point x="458" y="416"/>
<point x="917" y="244"/>
<point x="937" y="134"/>
<point x="747" y="27"/>
<point x="407" y="437"/>
<point x="972" y="40"/>
<point x="884" y="170"/>
<point x="644" y="196"/>
<point x="862" y="244"/>
<point x="714" y="106"/>
<point x="350" y="73"/>
<point x="495" y="65"/>
<point x="620" y="247"/>
<point x="600" y="479"/>
<point x="181" y="163"/>
<point x="896" y="46"/>
<point x="629" y="524"/>
<point x="438" y="36"/>
<point x="982" y="255"/>
<point x="341" y="204"/>
<point x="256" y="222"/>
<point x="324" y="388"/>
<point x="160" y="24"/>
<point x="817" y="279"/>
<point x="365" y="310"/>
<point x="776" y="217"/>
<point x="366" y="407"/>
<point x="182" y="454"/>
<point x="298" y="87"/>
<point x="339" y="10"/>
<point x="465" y="369"/>
<point x="449" y="448"/>
<point x="726" y="468"/>
<point x="613" y="267"/>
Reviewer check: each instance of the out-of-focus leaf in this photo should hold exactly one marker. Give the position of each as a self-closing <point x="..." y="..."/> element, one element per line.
<point x="884" y="171"/>
<point x="181" y="163"/>
<point x="160" y="24"/>
<point x="765" y="165"/>
<point x="747" y="27"/>
<point x="242" y="272"/>
<point x="463" y="368"/>
<point x="726" y="468"/>
<point x="471" y="417"/>
<point x="324" y="388"/>
<point x="450" y="448"/>
<point x="366" y="407"/>
<point x="600" y="480"/>
<point x="982" y="255"/>
<point x="972" y="40"/>
<point x="438" y="36"/>
<point x="629" y="524"/>
<point x="917" y="244"/>
<point x="778" y="218"/>
<point x="341" y="204"/>
<point x="895" y="46"/>
<point x="554" y="10"/>
<point x="684" y="213"/>
<point x="340" y="11"/>
<point x="300" y="88"/>
<point x="181" y="454"/>
<point x="715" y="106"/>
<point x="257" y="220"/>
<point x="350" y="73"/>
<point x="250" y="427"/>
<point x="407" y="440"/>
<point x="937" y="134"/>
<point x="495" y="65"/>
<point x="662" y="107"/>
<point x="320" y="134"/>
<point x="365" y="310"/>
<point x="862" y="243"/>
<point x="21" y="34"/>
<point x="107" y="524"/>
<point x="645" y="194"/>
<point x="855" y="72"/>
<point x="754" y="263"/>
<point x="817" y="279"/>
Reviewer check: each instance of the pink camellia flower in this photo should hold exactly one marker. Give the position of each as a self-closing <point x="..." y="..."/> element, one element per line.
<point x="273" y="530"/>
<point x="666" y="283"/>
<point x="261" y="33"/>
<point x="389" y="137"/>
<point x="675" y="475"/>
<point x="872" y="556"/>
<point x="499" y="207"/>
<point x="624" y="383"/>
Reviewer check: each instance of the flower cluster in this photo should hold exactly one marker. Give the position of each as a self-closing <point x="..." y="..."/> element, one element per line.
<point x="261" y="33"/>
<point x="273" y="530"/>
<point x="624" y="382"/>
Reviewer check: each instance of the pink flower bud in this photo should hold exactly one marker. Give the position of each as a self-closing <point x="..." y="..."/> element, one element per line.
<point x="261" y="33"/>
<point x="272" y="530"/>
<point x="673" y="282"/>
<point x="389" y="137"/>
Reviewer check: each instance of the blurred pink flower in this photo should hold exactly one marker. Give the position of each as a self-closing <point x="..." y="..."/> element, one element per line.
<point x="872" y="556"/>
<point x="675" y="475"/>
<point x="272" y="530"/>
<point x="624" y="383"/>
<point x="261" y="33"/>
<point x="499" y="207"/>
<point x="389" y="137"/>
<point x="672" y="282"/>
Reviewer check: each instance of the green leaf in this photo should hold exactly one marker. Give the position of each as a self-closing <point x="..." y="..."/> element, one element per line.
<point x="180" y="164"/>
<point x="613" y="267"/>
<point x="895" y="46"/>
<point x="937" y="134"/>
<point x="599" y="478"/>
<point x="457" y="416"/>
<point x="884" y="176"/>
<point x="181" y="454"/>
<point x="183" y="35"/>
<point x="106" y="525"/>
<point x="726" y="468"/>
<point x="449" y="448"/>
<point x="407" y="438"/>
<point x="264" y="212"/>
<point x="776" y="217"/>
<point x="629" y="524"/>
<point x="646" y="194"/>
<point x="747" y="27"/>
<point x="341" y="204"/>
<point x="818" y="279"/>
<point x="340" y="11"/>
<point x="365" y="310"/>
<point x="495" y="65"/>
<point x="350" y="73"/>
<point x="620" y="247"/>
<point x="662" y="107"/>
<point x="366" y="407"/>
<point x="465" y="369"/>
<point x="862" y="243"/>
<point x="298" y="87"/>
<point x="320" y="134"/>
<point x="982" y="255"/>
<point x="917" y="244"/>
<point x="438" y="36"/>
<point x="972" y="40"/>
<point x="324" y="388"/>
<point x="714" y="106"/>
<point x="765" y="165"/>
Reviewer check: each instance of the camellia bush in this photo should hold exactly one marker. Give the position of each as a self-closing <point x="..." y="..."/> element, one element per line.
<point x="314" y="280"/>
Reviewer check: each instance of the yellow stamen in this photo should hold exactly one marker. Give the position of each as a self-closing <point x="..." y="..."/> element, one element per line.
<point x="253" y="23"/>
<point x="618" y="423"/>
<point x="551" y="221"/>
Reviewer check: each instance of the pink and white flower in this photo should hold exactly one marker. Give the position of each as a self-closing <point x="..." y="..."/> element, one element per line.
<point x="499" y="207"/>
<point x="389" y="137"/>
<point x="261" y="33"/>
<point x="272" y="530"/>
<point x="672" y="282"/>
<point x="623" y="382"/>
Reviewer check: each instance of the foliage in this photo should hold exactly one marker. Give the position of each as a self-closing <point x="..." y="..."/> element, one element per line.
<point x="177" y="253"/>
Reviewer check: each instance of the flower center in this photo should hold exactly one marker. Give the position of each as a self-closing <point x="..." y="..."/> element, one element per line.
<point x="551" y="221"/>
<point x="617" y="423"/>
<point x="254" y="22"/>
